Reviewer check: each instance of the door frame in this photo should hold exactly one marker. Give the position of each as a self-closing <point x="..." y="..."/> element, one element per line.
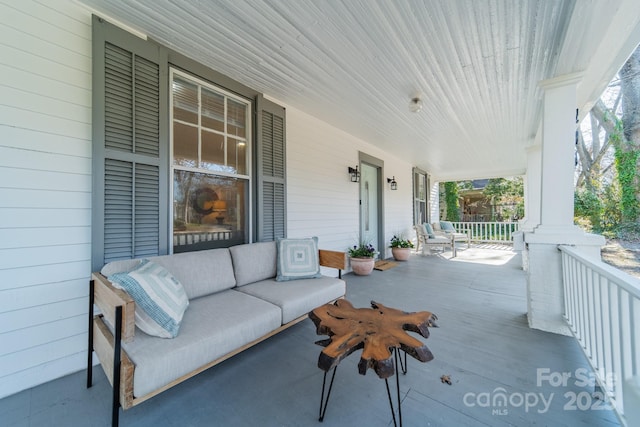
<point x="379" y="165"/>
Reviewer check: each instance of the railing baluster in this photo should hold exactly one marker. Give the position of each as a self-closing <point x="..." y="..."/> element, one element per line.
<point x="488" y="232"/>
<point x="593" y="319"/>
<point x="602" y="308"/>
<point x="603" y="291"/>
<point x="633" y="336"/>
<point x="597" y="319"/>
<point x="615" y="342"/>
<point x="582" y="310"/>
<point x="622" y="326"/>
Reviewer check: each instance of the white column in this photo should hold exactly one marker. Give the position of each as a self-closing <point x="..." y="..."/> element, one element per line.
<point x="532" y="182"/>
<point x="558" y="148"/>
<point x="545" y="296"/>
<point x="532" y="188"/>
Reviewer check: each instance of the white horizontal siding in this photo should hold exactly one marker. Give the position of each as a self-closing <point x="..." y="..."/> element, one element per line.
<point x="40" y="295"/>
<point x="45" y="141"/>
<point x="44" y="353"/>
<point x="45" y="190"/>
<point x="43" y="180"/>
<point x="42" y="255"/>
<point x="42" y="199"/>
<point x="17" y="341"/>
<point x="34" y="237"/>
<point x="42" y="314"/>
<point x="15" y="278"/>
<point x="43" y="161"/>
<point x="42" y="373"/>
<point x="25" y="218"/>
<point x="321" y="199"/>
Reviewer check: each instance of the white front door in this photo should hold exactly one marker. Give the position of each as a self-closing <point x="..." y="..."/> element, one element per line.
<point x="369" y="205"/>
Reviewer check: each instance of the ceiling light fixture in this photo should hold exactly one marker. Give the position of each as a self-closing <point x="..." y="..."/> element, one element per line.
<point x="415" y="105"/>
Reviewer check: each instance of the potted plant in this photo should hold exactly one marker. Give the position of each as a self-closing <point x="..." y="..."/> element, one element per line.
<point x="361" y="256"/>
<point x="400" y="248"/>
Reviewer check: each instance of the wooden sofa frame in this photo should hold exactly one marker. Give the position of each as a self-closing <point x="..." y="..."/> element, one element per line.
<point x="118" y="308"/>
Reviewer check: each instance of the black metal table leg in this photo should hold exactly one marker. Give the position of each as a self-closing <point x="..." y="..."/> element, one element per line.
<point x="322" y="398"/>
<point x="90" y="336"/>
<point x="404" y="365"/>
<point x="395" y="350"/>
<point x="117" y="345"/>
<point x="393" y="412"/>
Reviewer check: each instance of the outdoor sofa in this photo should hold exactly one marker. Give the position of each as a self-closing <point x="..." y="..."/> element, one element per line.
<point x="236" y="298"/>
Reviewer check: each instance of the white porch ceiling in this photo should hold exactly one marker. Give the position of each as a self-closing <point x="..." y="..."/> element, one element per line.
<point x="357" y="63"/>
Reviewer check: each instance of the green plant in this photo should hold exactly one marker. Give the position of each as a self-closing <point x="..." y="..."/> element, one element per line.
<point x="362" y="250"/>
<point x="451" y="199"/>
<point x="626" y="161"/>
<point x="588" y="208"/>
<point x="611" y="215"/>
<point x="400" y="242"/>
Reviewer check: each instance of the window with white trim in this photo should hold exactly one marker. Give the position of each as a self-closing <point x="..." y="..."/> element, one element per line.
<point x="210" y="165"/>
<point x="226" y="183"/>
<point x="420" y="197"/>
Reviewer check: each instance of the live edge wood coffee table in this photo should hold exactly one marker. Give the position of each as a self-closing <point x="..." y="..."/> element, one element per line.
<point x="380" y="331"/>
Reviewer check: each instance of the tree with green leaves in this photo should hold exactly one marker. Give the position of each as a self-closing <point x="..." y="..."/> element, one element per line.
<point x="627" y="144"/>
<point x="452" y="201"/>
<point x="507" y="195"/>
<point x="607" y="194"/>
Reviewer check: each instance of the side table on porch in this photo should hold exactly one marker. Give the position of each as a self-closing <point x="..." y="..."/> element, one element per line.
<point x="380" y="331"/>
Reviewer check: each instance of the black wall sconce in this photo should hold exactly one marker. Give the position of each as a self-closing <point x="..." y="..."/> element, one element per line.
<point x="355" y="174"/>
<point x="393" y="183"/>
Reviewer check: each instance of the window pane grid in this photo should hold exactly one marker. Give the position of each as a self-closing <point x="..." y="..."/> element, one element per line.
<point x="212" y="112"/>
<point x="210" y="166"/>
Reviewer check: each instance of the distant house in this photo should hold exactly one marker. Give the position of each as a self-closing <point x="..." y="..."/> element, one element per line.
<point x="475" y="206"/>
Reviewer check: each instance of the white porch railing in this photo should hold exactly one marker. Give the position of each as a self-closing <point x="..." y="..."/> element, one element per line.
<point x="491" y="232"/>
<point x="185" y="238"/>
<point x="602" y="309"/>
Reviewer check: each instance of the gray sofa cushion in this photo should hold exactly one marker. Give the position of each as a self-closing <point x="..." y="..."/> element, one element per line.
<point x="213" y="326"/>
<point x="201" y="273"/>
<point x="297" y="297"/>
<point x="254" y="262"/>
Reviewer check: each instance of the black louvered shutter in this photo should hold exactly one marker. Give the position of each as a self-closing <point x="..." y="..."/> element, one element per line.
<point x="129" y="158"/>
<point x="271" y="152"/>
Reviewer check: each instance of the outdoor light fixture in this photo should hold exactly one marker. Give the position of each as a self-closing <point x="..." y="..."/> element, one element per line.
<point x="394" y="184"/>
<point x="415" y="105"/>
<point x="355" y="175"/>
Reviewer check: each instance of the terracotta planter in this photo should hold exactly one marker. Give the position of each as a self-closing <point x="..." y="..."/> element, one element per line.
<point x="401" y="254"/>
<point x="362" y="266"/>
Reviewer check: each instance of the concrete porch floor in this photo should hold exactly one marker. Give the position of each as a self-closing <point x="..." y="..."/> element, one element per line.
<point x="502" y="372"/>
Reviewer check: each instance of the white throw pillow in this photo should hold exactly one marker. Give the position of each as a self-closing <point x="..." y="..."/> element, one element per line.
<point x="160" y="298"/>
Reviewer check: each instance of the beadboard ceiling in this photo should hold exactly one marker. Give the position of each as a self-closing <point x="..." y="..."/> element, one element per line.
<point x="357" y="63"/>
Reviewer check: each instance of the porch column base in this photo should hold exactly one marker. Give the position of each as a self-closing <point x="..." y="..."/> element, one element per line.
<point x="545" y="295"/>
<point x="519" y="246"/>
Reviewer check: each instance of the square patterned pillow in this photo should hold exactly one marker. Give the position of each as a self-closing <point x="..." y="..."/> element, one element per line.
<point x="297" y="259"/>
<point x="160" y="298"/>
